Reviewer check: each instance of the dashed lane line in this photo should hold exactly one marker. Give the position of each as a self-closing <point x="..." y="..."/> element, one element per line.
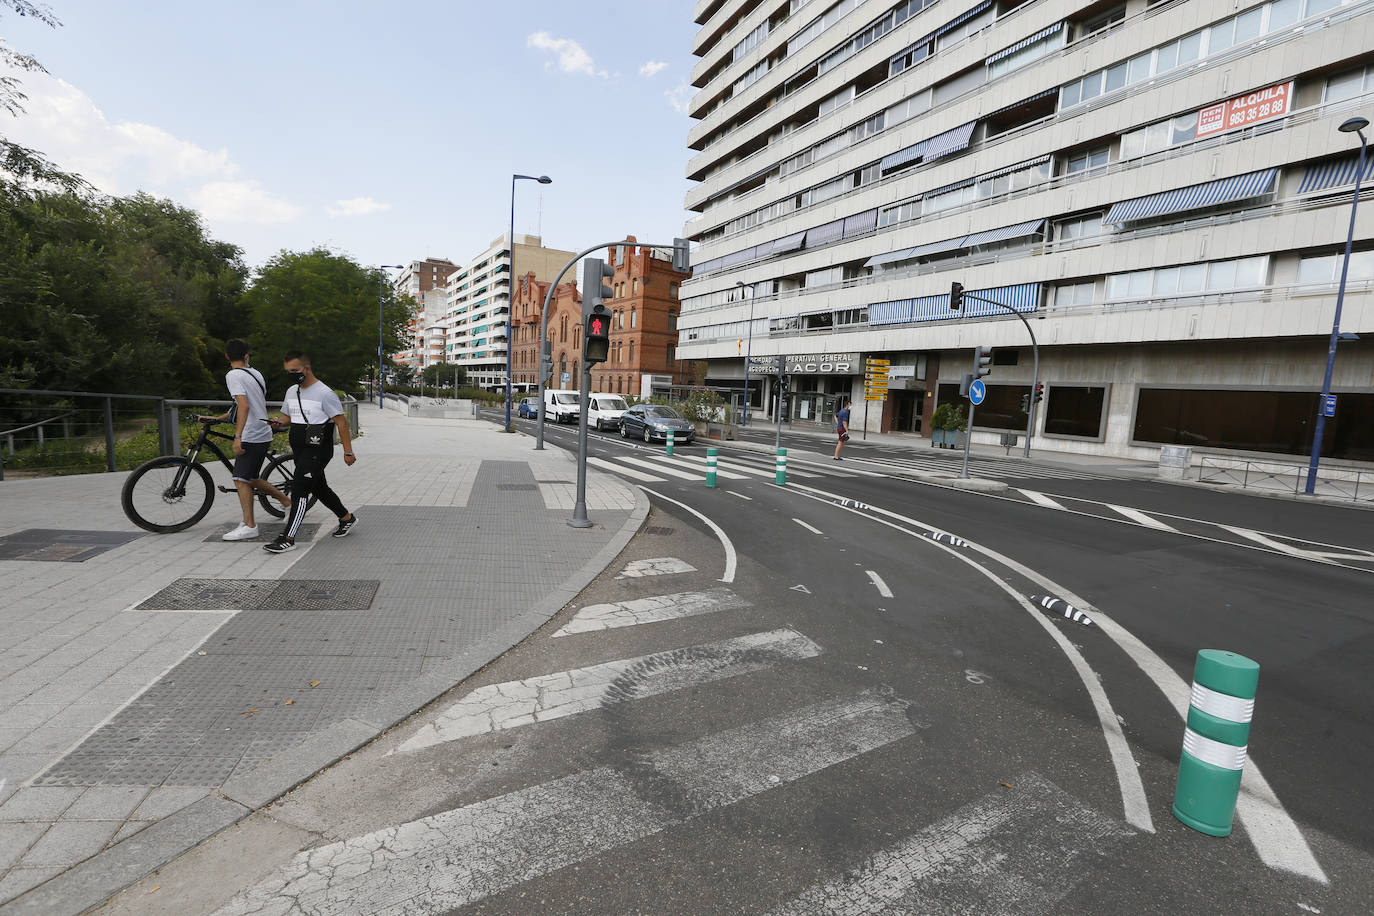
<point x="740" y="495"/>
<point x="655" y="609"/>
<point x="879" y="584"/>
<point x="811" y="528"/>
<point x="512" y="704"/>
<point x="1141" y="518"/>
<point x="1040" y="499"/>
<point x="448" y="860"/>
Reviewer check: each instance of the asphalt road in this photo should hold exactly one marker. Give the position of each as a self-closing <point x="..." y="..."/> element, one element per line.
<point x="796" y="700"/>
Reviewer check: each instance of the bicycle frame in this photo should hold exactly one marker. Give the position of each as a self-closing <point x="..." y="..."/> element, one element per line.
<point x="205" y="440"/>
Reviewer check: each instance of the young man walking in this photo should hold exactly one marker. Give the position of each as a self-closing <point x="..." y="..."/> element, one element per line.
<point x="842" y="426"/>
<point x="315" y="414"/>
<point x="252" y="435"/>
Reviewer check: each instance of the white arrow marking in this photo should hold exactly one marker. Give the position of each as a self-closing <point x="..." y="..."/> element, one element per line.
<point x="800" y="588"/>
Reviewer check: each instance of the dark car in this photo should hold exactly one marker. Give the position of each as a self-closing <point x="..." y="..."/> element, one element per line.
<point x="652" y="421"/>
<point x="529" y="409"/>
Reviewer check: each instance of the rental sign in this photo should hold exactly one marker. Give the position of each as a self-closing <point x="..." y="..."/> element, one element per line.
<point x="1244" y="110"/>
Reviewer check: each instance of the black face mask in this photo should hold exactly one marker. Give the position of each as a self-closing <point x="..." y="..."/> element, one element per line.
<point x="297" y="377"/>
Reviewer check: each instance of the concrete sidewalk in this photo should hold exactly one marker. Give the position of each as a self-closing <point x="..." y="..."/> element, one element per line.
<point x="156" y="688"/>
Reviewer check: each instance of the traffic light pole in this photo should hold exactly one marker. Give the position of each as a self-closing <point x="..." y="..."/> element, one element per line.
<point x="579" y="517"/>
<point x="968" y="439"/>
<point x="1035" y="378"/>
<point x="544" y="323"/>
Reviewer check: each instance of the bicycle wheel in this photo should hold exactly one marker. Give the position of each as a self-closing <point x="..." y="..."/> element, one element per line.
<point x="167" y="494"/>
<point x="280" y="472"/>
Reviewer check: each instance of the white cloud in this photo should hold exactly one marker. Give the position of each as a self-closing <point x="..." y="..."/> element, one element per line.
<point x="679" y="97"/>
<point x="571" y="56"/>
<point x="652" y="68"/>
<point x="242" y="202"/>
<point x="356" y="206"/>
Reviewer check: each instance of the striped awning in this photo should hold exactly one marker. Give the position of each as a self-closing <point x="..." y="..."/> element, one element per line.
<point x="963" y="17"/>
<point x="1002" y="233"/>
<point x="860" y="223"/>
<point x="1024" y="297"/>
<point x="1334" y="173"/>
<point x="905" y="311"/>
<point x="903" y="156"/>
<point x="951" y="141"/>
<point x="1054" y="90"/>
<point x="788" y="243"/>
<point x="1029" y="163"/>
<point x="1193" y="197"/>
<point x="940" y="247"/>
<point x="890" y="257"/>
<point x="1025" y="43"/>
<point x="824" y="235"/>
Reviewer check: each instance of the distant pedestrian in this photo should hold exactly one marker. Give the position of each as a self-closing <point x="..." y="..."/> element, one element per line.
<point x="252" y="435"/>
<point x="315" y="413"/>
<point x="842" y="426"/>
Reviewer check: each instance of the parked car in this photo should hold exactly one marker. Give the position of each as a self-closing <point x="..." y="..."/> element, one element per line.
<point x="528" y="409"/>
<point x="604" y="410"/>
<point x="562" y="405"/>
<point x="652" y="421"/>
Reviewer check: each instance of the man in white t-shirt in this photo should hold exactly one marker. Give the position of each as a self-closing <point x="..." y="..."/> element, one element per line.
<point x="252" y="435"/>
<point x="315" y="415"/>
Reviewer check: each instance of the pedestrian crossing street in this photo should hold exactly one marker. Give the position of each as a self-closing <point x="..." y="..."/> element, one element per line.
<point x="1017" y="851"/>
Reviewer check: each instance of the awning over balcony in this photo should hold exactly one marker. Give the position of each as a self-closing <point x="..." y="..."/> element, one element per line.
<point x="1193" y="197"/>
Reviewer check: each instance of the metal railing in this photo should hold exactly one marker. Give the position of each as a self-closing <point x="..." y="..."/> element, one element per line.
<point x="1337" y="482"/>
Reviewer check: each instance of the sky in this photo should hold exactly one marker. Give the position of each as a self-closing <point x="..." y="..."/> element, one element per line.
<point x="384" y="131"/>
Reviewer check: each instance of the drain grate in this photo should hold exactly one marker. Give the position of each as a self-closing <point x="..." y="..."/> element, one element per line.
<point x="659" y="529"/>
<point x="517" y="486"/>
<point x="264" y="594"/>
<point x="57" y="546"/>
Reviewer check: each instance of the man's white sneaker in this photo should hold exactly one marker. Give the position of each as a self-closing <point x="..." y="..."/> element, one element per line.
<point x="241" y="533"/>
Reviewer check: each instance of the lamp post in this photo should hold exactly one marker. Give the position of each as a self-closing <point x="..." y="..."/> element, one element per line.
<point x="1352" y="126"/>
<point x="749" y="349"/>
<point x="381" y="288"/>
<point x="510" y="296"/>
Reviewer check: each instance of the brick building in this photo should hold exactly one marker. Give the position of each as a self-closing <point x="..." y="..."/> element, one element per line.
<point x="644" y="312"/>
<point x="424" y="282"/>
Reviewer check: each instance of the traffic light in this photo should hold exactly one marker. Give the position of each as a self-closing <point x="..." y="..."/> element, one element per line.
<point x="595" y="273"/>
<point x="596" y="333"/>
<point x="964" y="383"/>
<point x="956" y="296"/>
<point x="596" y="341"/>
<point x="1039" y="392"/>
<point x="1025" y="403"/>
<point x="780" y="366"/>
<point x="982" y="361"/>
<point x="681" y="256"/>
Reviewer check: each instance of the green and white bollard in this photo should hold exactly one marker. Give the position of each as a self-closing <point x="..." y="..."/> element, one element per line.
<point x="1215" y="741"/>
<point x="711" y="467"/>
<point x="669" y="441"/>
<point x="781" y="478"/>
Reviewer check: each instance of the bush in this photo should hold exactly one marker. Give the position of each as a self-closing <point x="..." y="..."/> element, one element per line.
<point x="948" y="416"/>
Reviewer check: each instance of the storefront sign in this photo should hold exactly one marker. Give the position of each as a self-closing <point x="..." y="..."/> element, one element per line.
<point x="1244" y="110"/>
<point x="823" y="364"/>
<point x="901" y="372"/>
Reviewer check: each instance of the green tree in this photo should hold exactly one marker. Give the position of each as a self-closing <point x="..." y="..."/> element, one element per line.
<point x="326" y="304"/>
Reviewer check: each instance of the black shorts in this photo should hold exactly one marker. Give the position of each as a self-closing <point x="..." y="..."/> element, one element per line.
<point x="248" y="466"/>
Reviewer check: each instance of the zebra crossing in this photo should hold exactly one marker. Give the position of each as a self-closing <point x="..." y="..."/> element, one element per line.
<point x="992" y="468"/>
<point x="1020" y="850"/>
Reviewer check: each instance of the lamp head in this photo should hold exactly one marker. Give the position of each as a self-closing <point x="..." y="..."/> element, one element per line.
<point x="740" y="283"/>
<point x="544" y="179"/>
<point x="1354" y="125"/>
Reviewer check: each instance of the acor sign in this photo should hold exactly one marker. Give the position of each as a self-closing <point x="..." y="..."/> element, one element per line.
<point x="823" y="364"/>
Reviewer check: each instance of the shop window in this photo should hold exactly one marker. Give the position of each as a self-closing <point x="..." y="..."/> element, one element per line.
<point x="1074" y="411"/>
<point x="1258" y="421"/>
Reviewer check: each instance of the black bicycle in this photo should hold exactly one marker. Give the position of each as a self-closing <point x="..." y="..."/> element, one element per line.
<point x="173" y="492"/>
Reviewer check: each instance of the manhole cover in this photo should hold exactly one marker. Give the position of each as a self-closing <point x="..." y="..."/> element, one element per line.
<point x="57" y="546"/>
<point x="322" y="595"/>
<point x="211" y="595"/>
<point x="659" y="529"/>
<point x="517" y="486"/>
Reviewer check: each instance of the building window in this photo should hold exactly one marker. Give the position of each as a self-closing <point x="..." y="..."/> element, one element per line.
<point x="1074" y="411"/>
<point x="1158" y="136"/>
<point x="1189" y="279"/>
<point x="1088" y="161"/>
<point x="634" y="316"/>
<point x="1078" y="227"/>
<point x="672" y="319"/>
<point x="1001" y="408"/>
<point x="1326" y="268"/>
<point x="670" y="355"/>
<point x="672" y="290"/>
<point x="1348" y="85"/>
<point x="1258" y="421"/>
<point x="634" y="287"/>
<point x="632" y="352"/>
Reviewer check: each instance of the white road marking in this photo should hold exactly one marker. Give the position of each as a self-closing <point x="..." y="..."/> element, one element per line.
<point x="497" y="707"/>
<point x="1136" y="515"/>
<point x="1272" y="544"/>
<point x="455" y="858"/>
<point x="1133" y="800"/>
<point x="740" y="495"/>
<point x="1018" y="850"/>
<point x="881" y="585"/>
<point x="813" y="530"/>
<point x="1039" y="498"/>
<point x="698" y="463"/>
<point x="655" y="566"/>
<point x="658" y="468"/>
<point x="730" y="557"/>
<point x="654" y="609"/>
<point x="621" y="469"/>
<point x="800" y="588"/>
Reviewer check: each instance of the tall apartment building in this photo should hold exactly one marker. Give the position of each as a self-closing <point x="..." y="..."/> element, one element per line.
<point x="424" y="281"/>
<point x="478" y="296"/>
<point x="644" y="316"/>
<point x="1158" y="186"/>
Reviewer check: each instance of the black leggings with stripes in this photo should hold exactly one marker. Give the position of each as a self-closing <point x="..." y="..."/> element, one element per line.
<point x="310" y="481"/>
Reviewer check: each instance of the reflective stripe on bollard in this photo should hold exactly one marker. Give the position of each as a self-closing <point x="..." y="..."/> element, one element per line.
<point x="781" y="478"/>
<point x="711" y="467"/>
<point x="1215" y="741"/>
<point x="669" y="441"/>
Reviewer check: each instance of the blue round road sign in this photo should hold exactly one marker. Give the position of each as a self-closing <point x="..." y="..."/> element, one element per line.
<point x="977" y="391"/>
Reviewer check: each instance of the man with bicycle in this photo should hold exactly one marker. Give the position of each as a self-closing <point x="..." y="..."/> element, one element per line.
<point x="252" y="435"/>
<point x="315" y="413"/>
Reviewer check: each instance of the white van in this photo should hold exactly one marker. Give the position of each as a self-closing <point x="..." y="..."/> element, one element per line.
<point x="562" y="405"/>
<point x="604" y="410"/>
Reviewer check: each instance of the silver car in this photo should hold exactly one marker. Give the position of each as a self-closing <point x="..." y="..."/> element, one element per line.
<point x="652" y="421"/>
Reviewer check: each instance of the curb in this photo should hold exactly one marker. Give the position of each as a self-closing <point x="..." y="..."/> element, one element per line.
<point x="1363" y="505"/>
<point x="95" y="881"/>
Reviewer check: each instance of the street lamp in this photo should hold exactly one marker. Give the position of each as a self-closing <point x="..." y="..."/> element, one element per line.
<point x="749" y="349"/>
<point x="510" y="295"/>
<point x="381" y="286"/>
<point x="1352" y="126"/>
